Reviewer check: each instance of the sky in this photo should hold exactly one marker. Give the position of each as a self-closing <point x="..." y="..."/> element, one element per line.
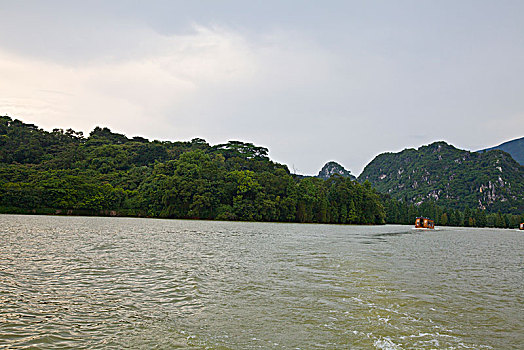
<point x="312" y="81"/>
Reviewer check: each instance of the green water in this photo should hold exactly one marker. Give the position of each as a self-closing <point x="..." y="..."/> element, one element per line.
<point x="113" y="283"/>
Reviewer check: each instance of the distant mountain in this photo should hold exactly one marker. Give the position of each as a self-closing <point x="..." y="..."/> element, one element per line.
<point x="454" y="178"/>
<point x="332" y="168"/>
<point x="514" y="147"/>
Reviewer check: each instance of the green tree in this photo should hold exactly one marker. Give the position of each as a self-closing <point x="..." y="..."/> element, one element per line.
<point x="444" y="219"/>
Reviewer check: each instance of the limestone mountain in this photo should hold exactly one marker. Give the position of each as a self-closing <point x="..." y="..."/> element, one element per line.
<point x="514" y="147"/>
<point x="332" y="168"/>
<point x="453" y="177"/>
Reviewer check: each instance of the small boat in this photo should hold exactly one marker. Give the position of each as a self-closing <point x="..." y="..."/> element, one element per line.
<point x="424" y="223"/>
<point x="521" y="226"/>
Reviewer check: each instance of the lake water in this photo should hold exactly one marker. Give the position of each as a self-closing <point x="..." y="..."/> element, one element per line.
<point x="79" y="282"/>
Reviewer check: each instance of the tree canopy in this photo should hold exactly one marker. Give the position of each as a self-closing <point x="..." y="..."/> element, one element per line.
<point x="108" y="173"/>
<point x="61" y="171"/>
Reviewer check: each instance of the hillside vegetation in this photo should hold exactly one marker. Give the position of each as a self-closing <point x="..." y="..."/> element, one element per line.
<point x="514" y="147"/>
<point x="453" y="178"/>
<point x="106" y="173"/>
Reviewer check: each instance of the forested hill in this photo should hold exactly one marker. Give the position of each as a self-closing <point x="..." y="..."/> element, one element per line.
<point x="514" y="147"/>
<point x="452" y="177"/>
<point x="108" y="173"/>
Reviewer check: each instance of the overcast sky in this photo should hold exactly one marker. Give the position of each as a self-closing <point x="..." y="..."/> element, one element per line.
<point x="311" y="80"/>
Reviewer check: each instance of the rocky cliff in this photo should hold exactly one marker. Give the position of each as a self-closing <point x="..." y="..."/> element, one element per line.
<point x="332" y="168"/>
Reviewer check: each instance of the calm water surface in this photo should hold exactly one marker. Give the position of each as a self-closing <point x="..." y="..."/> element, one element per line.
<point x="77" y="282"/>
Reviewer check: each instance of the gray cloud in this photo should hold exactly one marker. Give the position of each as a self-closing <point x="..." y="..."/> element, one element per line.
<point x="343" y="81"/>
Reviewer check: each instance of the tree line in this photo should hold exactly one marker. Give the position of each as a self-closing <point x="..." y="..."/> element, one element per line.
<point x="402" y="212"/>
<point x="107" y="173"/>
<point x="65" y="172"/>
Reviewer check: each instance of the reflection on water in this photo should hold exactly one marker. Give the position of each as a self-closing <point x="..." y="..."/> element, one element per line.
<point x="75" y="282"/>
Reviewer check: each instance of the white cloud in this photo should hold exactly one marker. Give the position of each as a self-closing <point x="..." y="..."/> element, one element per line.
<point x="211" y="82"/>
<point x="154" y="82"/>
<point x="307" y="100"/>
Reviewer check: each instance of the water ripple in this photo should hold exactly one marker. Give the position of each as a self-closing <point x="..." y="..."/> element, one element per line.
<point x="113" y="283"/>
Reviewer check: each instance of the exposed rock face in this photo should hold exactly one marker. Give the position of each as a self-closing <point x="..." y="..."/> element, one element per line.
<point x="332" y="168"/>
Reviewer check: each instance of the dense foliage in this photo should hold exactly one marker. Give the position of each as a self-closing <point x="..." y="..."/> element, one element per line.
<point x="453" y="178"/>
<point x="514" y="147"/>
<point x="400" y="212"/>
<point x="110" y="174"/>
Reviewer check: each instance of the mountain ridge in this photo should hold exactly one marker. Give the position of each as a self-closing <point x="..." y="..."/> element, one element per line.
<point x="107" y="173"/>
<point x="514" y="147"/>
<point x="450" y="176"/>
